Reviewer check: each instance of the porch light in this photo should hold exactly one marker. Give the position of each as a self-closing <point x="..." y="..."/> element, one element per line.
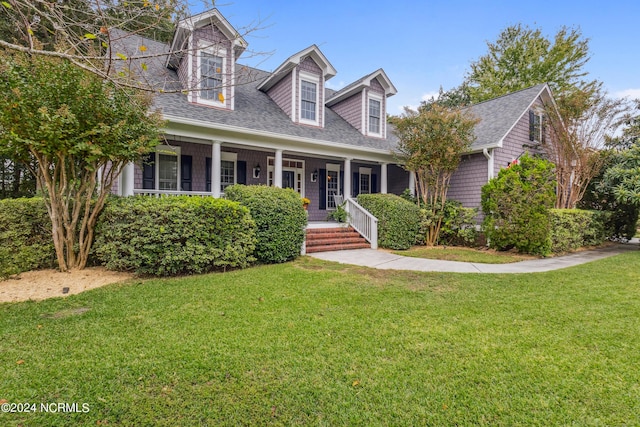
<point x="314" y="175"/>
<point x="256" y="171"/>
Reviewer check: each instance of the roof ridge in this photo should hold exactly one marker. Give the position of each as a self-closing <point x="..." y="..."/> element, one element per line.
<point x="507" y="94"/>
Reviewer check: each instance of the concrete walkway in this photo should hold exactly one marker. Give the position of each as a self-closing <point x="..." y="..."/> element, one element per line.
<point x="388" y="261"/>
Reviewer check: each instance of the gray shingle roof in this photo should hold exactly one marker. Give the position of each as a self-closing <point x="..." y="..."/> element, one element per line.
<point x="498" y="116"/>
<point x="254" y="109"/>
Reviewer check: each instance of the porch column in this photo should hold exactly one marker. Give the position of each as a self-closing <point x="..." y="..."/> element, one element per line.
<point x="383" y="178"/>
<point x="127" y="179"/>
<point x="277" y="169"/>
<point x="347" y="178"/>
<point x="215" y="169"/>
<point x="412" y="183"/>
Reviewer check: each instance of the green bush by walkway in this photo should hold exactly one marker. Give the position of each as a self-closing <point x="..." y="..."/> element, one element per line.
<point x="572" y="229"/>
<point x="398" y="219"/>
<point x="174" y="235"/>
<point x="280" y="219"/>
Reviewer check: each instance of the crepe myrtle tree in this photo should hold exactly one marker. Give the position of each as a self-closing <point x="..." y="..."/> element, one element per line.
<point x="432" y="141"/>
<point x="80" y="130"/>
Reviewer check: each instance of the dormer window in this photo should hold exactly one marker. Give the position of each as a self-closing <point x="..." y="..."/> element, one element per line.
<point x="309" y="101"/>
<point x="211" y="82"/>
<point x="374" y="116"/>
<point x="308" y="98"/>
<point x="211" y="76"/>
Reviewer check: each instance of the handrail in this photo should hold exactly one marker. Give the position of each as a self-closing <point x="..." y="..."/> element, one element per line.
<point x="362" y="221"/>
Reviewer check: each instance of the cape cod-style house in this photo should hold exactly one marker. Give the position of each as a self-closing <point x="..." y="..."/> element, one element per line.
<point x="227" y="123"/>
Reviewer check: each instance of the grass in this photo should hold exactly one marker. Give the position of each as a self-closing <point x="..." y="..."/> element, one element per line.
<point x="484" y="256"/>
<point x="316" y="343"/>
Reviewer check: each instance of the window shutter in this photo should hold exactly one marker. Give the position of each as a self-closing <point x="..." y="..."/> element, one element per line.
<point x="207" y="173"/>
<point x="532" y="126"/>
<point x="186" y="163"/>
<point x="355" y="184"/>
<point x="341" y="183"/>
<point x="544" y="129"/>
<point x="374" y="183"/>
<point x="322" y="177"/>
<point x="149" y="172"/>
<point x="241" y="166"/>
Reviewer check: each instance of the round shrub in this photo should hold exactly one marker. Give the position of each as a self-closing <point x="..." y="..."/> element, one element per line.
<point x="516" y="205"/>
<point x="398" y="219"/>
<point x="174" y="235"/>
<point x="26" y="242"/>
<point x="280" y="220"/>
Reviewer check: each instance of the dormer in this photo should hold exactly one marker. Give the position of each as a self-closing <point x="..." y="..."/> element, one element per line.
<point x="205" y="49"/>
<point x="298" y="86"/>
<point x="363" y="103"/>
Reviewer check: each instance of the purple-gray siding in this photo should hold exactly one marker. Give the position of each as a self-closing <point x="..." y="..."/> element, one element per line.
<point x="467" y="181"/>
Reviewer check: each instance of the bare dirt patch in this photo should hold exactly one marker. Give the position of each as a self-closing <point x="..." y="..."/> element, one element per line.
<point x="43" y="284"/>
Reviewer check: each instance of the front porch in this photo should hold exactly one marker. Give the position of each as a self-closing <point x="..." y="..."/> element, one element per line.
<point x="206" y="168"/>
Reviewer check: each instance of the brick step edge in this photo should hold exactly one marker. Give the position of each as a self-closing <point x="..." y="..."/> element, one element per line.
<point x="345" y="235"/>
<point x="336" y="241"/>
<point x="312" y="249"/>
<point x="330" y="230"/>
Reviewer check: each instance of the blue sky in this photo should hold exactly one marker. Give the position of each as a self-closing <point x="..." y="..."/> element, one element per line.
<point x="423" y="45"/>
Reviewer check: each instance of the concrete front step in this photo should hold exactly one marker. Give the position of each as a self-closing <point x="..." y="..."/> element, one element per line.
<point x="334" y="239"/>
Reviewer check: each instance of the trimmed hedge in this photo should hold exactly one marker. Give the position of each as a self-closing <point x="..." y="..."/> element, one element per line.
<point x="174" y="235"/>
<point x="398" y="219"/>
<point x="280" y="219"/>
<point x="572" y="229"/>
<point x="26" y="242"/>
<point x="458" y="225"/>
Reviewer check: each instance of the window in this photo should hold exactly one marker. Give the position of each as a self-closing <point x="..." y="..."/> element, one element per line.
<point x="168" y="167"/>
<point x="536" y="126"/>
<point x="374" y="116"/>
<point x="333" y="184"/>
<point x="365" y="181"/>
<point x="228" y="164"/>
<point x="227" y="174"/>
<point x="309" y="98"/>
<point x="308" y="101"/>
<point x="211" y="76"/>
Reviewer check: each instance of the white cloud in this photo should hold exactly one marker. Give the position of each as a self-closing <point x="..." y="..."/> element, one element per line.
<point x="425" y="97"/>
<point x="332" y="85"/>
<point x="628" y="93"/>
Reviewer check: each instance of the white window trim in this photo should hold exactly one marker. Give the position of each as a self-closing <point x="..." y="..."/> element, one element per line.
<point x="168" y="149"/>
<point x="538" y="112"/>
<point x="311" y="78"/>
<point x="217" y="51"/>
<point x="363" y="171"/>
<point x="375" y="97"/>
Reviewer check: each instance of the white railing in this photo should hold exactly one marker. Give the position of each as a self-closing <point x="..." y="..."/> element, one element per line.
<point x="362" y="221"/>
<point x="170" y="193"/>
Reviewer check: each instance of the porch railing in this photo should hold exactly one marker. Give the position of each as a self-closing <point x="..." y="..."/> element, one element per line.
<point x="362" y="221"/>
<point x="170" y="193"/>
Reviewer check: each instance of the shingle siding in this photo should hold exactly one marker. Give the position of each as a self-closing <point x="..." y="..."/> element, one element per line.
<point x="397" y="179"/>
<point x="351" y="110"/>
<point x="281" y="94"/>
<point x="515" y="144"/>
<point x="467" y="181"/>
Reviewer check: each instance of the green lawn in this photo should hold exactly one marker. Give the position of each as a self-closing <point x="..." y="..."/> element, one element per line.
<point x="316" y="343"/>
<point x="449" y="253"/>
